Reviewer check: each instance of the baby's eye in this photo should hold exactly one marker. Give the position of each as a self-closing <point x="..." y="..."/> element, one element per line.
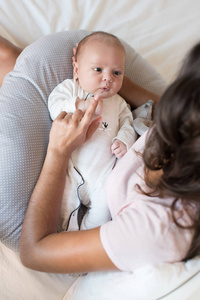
<point x="98" y="69"/>
<point x="116" y="73"/>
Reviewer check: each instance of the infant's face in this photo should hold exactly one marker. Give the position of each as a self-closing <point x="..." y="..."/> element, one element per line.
<point x="101" y="68"/>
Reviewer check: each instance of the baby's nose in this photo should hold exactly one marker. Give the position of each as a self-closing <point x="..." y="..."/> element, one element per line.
<point x="107" y="77"/>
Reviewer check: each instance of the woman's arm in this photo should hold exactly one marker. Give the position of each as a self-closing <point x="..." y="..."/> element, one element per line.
<point x="41" y="247"/>
<point x="8" y="55"/>
<point x="134" y="94"/>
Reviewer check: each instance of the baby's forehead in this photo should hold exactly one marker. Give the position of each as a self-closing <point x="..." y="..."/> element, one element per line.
<point x="107" y="42"/>
<point x="95" y="41"/>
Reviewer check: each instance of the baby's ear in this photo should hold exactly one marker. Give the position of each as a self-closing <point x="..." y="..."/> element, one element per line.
<point x="75" y="72"/>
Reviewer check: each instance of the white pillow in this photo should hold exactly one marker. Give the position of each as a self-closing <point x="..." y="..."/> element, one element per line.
<point x="147" y="283"/>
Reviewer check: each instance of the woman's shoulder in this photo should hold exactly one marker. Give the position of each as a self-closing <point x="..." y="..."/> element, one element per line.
<point x="144" y="233"/>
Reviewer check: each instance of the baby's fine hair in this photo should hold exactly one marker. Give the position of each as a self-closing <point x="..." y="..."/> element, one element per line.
<point x="100" y="36"/>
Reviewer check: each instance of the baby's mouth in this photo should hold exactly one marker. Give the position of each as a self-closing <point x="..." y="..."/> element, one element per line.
<point x="105" y="89"/>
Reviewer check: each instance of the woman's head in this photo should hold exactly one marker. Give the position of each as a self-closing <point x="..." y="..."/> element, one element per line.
<point x="192" y="61"/>
<point x="174" y="143"/>
<point x="177" y="121"/>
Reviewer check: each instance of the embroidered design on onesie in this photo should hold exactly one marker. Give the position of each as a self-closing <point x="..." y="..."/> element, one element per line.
<point x="104" y="128"/>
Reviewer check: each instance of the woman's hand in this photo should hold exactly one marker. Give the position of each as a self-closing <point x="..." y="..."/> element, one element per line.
<point x="69" y="131"/>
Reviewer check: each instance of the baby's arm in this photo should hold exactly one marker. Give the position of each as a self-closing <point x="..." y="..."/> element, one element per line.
<point x="62" y="98"/>
<point x="118" y="148"/>
<point x="126" y="135"/>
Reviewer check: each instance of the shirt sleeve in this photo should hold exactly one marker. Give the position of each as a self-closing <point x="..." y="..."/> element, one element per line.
<point x="144" y="234"/>
<point x="62" y="98"/>
<point x="126" y="132"/>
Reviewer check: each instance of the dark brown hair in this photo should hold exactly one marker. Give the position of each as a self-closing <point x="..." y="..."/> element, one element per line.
<point x="173" y="143"/>
<point x="192" y="61"/>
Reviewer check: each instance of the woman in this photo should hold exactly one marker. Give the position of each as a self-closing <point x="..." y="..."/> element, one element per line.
<point x="153" y="198"/>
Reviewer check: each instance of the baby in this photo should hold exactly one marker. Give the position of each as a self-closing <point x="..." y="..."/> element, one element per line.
<point x="98" y="70"/>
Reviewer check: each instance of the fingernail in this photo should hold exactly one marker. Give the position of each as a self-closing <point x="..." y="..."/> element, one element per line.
<point x="96" y="98"/>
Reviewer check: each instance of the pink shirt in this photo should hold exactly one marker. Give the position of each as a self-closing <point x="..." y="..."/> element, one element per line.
<point x="142" y="230"/>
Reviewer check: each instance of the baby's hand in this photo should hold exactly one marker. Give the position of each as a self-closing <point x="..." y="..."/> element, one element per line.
<point x="118" y="148"/>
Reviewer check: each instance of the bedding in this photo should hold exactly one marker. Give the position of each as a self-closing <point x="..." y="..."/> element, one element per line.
<point x="162" y="32"/>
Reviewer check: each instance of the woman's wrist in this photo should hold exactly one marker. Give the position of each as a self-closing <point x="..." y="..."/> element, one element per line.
<point x="57" y="158"/>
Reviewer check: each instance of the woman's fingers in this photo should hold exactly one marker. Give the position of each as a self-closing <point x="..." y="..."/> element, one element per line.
<point x="90" y="112"/>
<point x="77" y="115"/>
<point x="61" y="116"/>
<point x="89" y="115"/>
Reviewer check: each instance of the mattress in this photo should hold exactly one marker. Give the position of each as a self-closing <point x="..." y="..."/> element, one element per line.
<point x="162" y="32"/>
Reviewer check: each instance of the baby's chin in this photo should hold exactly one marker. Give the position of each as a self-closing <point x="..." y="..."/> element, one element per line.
<point x="106" y="93"/>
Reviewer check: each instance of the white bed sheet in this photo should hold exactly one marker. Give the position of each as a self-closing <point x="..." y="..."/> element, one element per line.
<point x="162" y="31"/>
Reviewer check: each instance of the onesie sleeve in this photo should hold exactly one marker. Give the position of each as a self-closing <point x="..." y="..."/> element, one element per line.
<point x="126" y="132"/>
<point x="62" y="98"/>
<point x="144" y="234"/>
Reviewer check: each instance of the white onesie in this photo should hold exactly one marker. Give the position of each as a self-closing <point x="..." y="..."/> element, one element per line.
<point x="91" y="163"/>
